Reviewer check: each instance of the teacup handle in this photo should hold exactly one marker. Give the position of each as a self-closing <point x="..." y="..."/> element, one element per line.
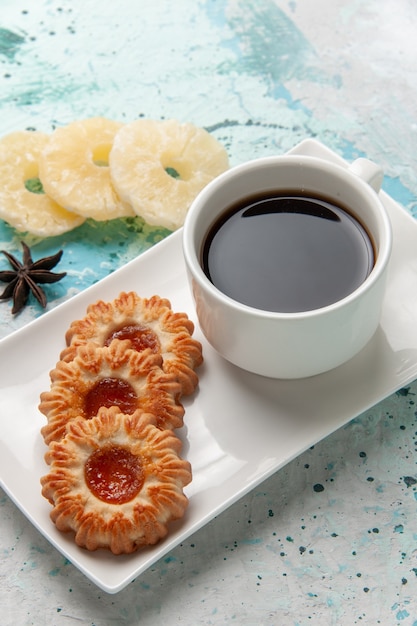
<point x="369" y="171"/>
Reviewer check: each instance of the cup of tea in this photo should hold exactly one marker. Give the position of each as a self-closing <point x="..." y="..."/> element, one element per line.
<point x="287" y="260"/>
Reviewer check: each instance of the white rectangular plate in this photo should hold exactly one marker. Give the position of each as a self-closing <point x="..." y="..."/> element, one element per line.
<point x="240" y="428"/>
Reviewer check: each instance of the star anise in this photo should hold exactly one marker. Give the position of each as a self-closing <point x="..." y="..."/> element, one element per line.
<point x="25" y="276"/>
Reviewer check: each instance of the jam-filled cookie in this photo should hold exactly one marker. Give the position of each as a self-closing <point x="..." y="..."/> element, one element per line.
<point x="105" y="377"/>
<point x="141" y="324"/>
<point x="116" y="481"/>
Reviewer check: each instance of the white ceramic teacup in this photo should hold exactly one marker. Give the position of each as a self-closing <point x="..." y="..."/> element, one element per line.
<point x="300" y="344"/>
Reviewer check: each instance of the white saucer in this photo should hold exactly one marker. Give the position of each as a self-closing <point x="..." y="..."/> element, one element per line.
<point x="240" y="428"/>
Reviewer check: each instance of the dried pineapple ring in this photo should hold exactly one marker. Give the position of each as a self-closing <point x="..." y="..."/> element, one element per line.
<point x="23" y="203"/>
<point x="73" y="169"/>
<point x="160" y="166"/>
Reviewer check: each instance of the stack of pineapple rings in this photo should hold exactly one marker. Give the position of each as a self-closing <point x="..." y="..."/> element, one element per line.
<point x="102" y="169"/>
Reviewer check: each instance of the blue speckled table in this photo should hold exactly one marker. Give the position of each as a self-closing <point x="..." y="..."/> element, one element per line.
<point x="332" y="537"/>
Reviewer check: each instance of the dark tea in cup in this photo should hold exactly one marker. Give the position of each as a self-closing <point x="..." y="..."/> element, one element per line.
<point x="286" y="252"/>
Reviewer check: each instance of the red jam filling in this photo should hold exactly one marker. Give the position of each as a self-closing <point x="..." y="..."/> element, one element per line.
<point x="114" y="475"/>
<point x="109" y="392"/>
<point x="141" y="337"/>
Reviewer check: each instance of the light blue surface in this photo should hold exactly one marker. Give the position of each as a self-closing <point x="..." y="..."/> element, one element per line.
<point x="261" y="76"/>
